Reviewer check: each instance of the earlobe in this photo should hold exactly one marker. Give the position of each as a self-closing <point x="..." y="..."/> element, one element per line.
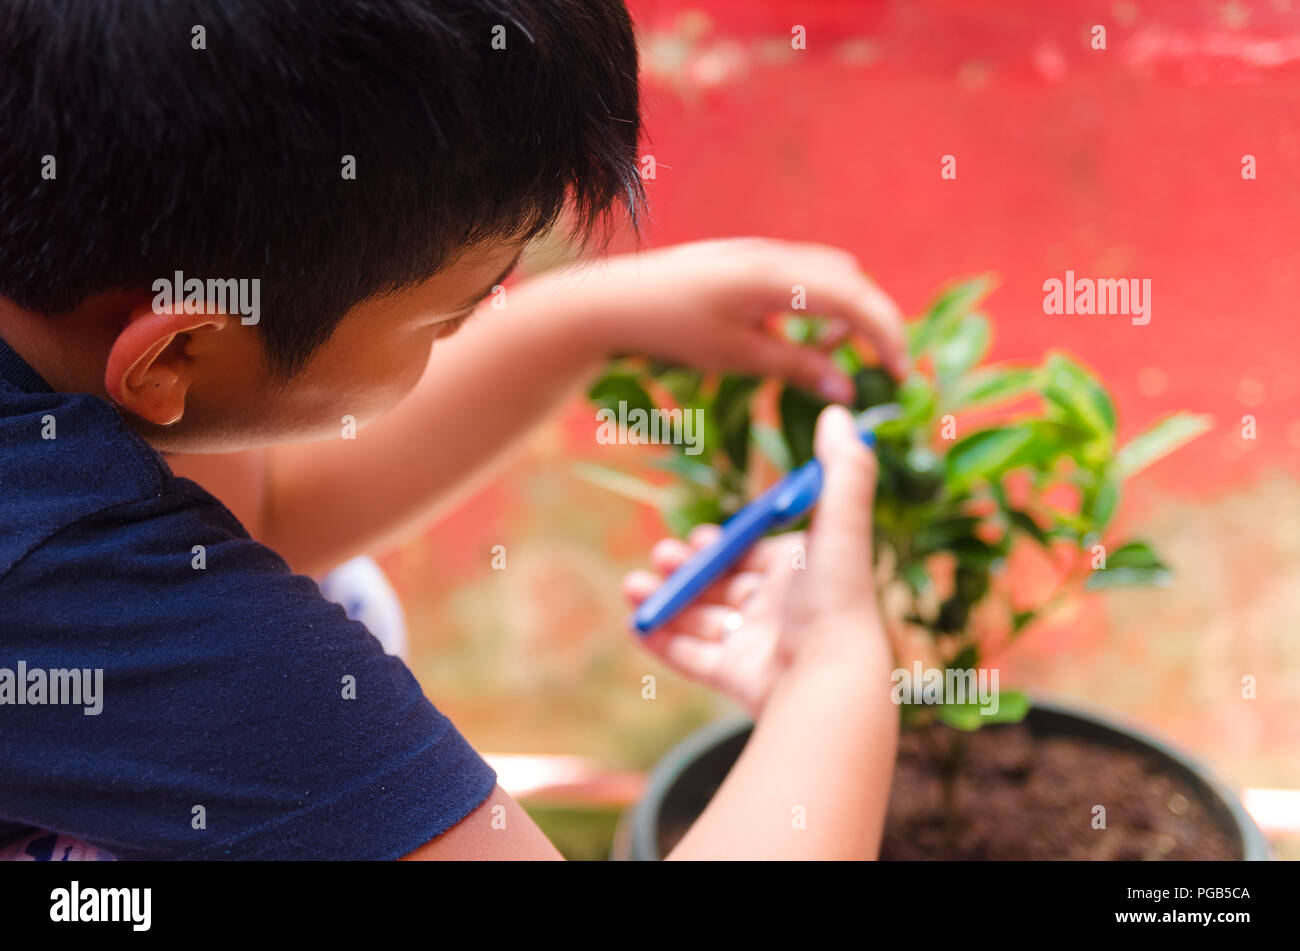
<point x="148" y="372"/>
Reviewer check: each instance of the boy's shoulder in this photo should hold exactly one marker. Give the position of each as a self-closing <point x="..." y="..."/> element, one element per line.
<point x="64" y="457"/>
<point x="218" y="676"/>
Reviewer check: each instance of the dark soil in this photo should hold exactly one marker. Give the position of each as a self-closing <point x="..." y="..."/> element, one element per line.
<point x="1026" y="797"/>
<point x="1022" y="796"/>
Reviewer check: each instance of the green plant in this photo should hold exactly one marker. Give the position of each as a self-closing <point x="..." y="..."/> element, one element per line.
<point x="984" y="457"/>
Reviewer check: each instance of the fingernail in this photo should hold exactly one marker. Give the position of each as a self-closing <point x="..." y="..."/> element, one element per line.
<point x="837" y="417"/>
<point x="835" y="388"/>
<point x="834" y="329"/>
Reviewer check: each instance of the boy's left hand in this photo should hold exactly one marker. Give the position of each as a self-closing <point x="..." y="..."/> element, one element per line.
<point x="710" y="304"/>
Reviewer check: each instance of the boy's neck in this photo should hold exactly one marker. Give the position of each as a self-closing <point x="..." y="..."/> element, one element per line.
<point x="67" y="351"/>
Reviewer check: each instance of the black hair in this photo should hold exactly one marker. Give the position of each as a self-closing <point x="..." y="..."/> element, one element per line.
<point x="228" y="161"/>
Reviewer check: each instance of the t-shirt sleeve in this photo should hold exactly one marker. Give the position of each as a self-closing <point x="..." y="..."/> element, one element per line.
<point x="240" y="714"/>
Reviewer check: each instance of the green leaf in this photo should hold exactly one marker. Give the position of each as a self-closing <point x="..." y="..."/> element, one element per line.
<point x="623" y="484"/>
<point x="847" y="358"/>
<point x="1133" y="564"/>
<point x="961" y="348"/>
<point x="918" y="475"/>
<point x="1027" y="524"/>
<point x="916" y="397"/>
<point x="688" y="510"/>
<point x="690" y="469"/>
<point x="1080" y="397"/>
<point x="1133" y="555"/>
<point x="1159" y="441"/>
<point x="917" y="578"/>
<point x="987" y="452"/>
<point x="620" y="387"/>
<point x="999" y="494"/>
<point x="1012" y="707"/>
<point x="913" y="714"/>
<point x="951" y="306"/>
<point x="682" y="384"/>
<point x="799" y="412"/>
<point x="995" y="384"/>
<point x="939" y="535"/>
<point x="731" y="415"/>
<point x="802" y="330"/>
<point x="972" y="582"/>
<point x="954" y="612"/>
<point x="1067" y="524"/>
<point x="707" y="434"/>
<point x="990" y="452"/>
<point x="872" y="387"/>
<point x="771" y="444"/>
<point x="1101" y="503"/>
<point x="967" y="658"/>
<point x="1022" y="619"/>
<point x="975" y="554"/>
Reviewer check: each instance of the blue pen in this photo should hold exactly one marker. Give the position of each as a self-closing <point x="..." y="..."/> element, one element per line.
<point x="786" y="502"/>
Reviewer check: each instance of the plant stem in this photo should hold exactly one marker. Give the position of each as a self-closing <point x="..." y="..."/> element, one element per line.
<point x="947" y="760"/>
<point x="952" y="764"/>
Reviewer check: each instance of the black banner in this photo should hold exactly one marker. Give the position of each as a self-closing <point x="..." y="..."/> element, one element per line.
<point x="297" y="901"/>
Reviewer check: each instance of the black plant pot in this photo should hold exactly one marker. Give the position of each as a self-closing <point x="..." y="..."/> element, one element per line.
<point x="683" y="781"/>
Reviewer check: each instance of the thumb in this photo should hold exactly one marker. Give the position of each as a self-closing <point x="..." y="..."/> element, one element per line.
<point x="840" y="544"/>
<point x="805" y="367"/>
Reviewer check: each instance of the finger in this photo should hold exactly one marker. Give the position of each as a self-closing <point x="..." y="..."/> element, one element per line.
<point x="731" y="591"/>
<point x="702" y="535"/>
<point x="739" y="583"/>
<point x="879" y="319"/>
<point x="833" y="334"/>
<point x="840" y="538"/>
<point x="788" y="550"/>
<point x="699" y="660"/>
<point x="848" y="480"/>
<point x="806" y="367"/>
<point x="779" y="549"/>
<point x="668" y="554"/>
<point x="837" y="288"/>
<point x="767" y="552"/>
<point x="736" y="590"/>
<point x="708" y="622"/>
<point x="639" y="585"/>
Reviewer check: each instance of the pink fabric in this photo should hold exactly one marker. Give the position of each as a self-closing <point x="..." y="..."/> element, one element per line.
<point x="51" y="847"/>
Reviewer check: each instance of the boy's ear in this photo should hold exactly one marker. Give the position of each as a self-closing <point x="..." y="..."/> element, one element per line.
<point x="149" y="371"/>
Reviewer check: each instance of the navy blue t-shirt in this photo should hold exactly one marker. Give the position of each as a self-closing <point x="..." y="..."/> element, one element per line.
<point x="241" y="715"/>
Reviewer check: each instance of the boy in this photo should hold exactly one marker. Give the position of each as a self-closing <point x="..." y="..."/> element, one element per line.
<point x="354" y="179"/>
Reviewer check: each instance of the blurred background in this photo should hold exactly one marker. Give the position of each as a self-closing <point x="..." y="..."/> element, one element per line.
<point x="1118" y="162"/>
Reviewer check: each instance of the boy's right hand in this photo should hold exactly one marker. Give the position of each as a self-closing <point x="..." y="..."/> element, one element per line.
<point x="798" y="602"/>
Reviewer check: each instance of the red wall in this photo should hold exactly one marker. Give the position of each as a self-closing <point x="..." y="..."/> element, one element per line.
<point x="1125" y="162"/>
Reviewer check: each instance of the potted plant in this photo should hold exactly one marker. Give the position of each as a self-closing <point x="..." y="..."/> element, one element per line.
<point x="987" y="464"/>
